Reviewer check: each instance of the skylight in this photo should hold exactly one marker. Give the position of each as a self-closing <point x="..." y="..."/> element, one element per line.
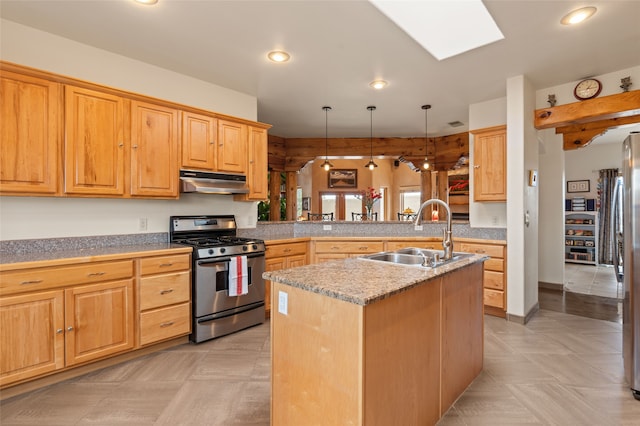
<point x="445" y="28"/>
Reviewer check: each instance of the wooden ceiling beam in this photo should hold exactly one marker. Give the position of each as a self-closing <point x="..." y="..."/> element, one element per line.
<point x="607" y="107"/>
<point x="580" y="135"/>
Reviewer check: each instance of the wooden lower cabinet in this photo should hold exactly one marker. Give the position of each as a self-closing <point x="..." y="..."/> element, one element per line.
<point x="54" y="318"/>
<point x="396" y="245"/>
<point x="165" y="294"/>
<point x="495" y="278"/>
<point x="44" y="331"/>
<point x="282" y="256"/>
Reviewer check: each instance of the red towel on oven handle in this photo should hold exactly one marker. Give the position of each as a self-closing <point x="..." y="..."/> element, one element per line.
<point x="238" y="276"/>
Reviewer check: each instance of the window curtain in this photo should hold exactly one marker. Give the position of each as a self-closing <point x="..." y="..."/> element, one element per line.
<point x="606" y="185"/>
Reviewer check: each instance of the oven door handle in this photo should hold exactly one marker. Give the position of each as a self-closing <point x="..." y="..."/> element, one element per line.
<point x="225" y="259"/>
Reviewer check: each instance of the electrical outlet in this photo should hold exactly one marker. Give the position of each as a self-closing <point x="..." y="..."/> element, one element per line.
<point x="417" y="227"/>
<point x="142" y="224"/>
<point x="494" y="220"/>
<point x="326" y="227"/>
<point x="283" y="302"/>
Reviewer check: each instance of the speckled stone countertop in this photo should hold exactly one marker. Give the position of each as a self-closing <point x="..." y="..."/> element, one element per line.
<point x="285" y="230"/>
<point x="83" y="255"/>
<point x="361" y="281"/>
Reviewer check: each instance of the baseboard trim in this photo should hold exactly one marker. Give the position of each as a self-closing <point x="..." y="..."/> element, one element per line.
<point x="524" y="320"/>
<point x="550" y="286"/>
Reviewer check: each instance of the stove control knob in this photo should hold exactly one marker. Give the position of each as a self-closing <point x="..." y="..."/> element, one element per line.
<point x="255" y="247"/>
<point x="245" y="248"/>
<point x="211" y="251"/>
<point x="222" y="250"/>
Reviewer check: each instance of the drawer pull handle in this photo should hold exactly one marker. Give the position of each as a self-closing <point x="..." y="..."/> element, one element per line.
<point x="335" y="248"/>
<point x="69" y="328"/>
<point x="166" y="324"/>
<point x="167" y="291"/>
<point x="164" y="265"/>
<point x="480" y="251"/>
<point x="287" y="250"/>
<point x="30" y="282"/>
<point x="364" y="248"/>
<point x="95" y="274"/>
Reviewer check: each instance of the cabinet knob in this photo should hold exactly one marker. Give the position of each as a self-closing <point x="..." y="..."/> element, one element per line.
<point x="59" y="331"/>
<point x="221" y="144"/>
<point x="120" y="145"/>
<point x="70" y="328"/>
<point x="134" y="146"/>
<point x="477" y="166"/>
<point x="212" y="142"/>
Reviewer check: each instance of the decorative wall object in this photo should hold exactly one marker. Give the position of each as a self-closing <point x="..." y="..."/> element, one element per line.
<point x="578" y="186"/>
<point x="345" y="178"/>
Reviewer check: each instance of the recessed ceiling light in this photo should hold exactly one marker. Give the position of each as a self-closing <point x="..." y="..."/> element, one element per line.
<point x="578" y="15"/>
<point x="147" y="2"/>
<point x="278" y="56"/>
<point x="378" y="84"/>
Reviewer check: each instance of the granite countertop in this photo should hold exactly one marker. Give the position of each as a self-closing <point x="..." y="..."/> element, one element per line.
<point x="83" y="255"/>
<point x="360" y="281"/>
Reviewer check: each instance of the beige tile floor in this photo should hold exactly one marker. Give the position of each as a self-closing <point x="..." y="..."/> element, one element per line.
<point x="597" y="280"/>
<point x="559" y="369"/>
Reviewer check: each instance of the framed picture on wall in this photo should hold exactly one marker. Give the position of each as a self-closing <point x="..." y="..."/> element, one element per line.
<point x="343" y="178"/>
<point x="306" y="202"/>
<point x="578" y="186"/>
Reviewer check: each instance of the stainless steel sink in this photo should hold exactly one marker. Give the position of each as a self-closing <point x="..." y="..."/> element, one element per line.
<point x="413" y="256"/>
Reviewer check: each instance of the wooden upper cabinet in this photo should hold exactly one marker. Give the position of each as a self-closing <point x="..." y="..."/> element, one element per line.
<point x="490" y="164"/>
<point x="29" y="135"/>
<point x="257" y="168"/>
<point x="154" y="150"/>
<point x="199" y="137"/>
<point x="232" y="147"/>
<point x="94" y="144"/>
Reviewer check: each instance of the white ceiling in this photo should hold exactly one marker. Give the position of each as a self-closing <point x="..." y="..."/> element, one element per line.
<point x="338" y="47"/>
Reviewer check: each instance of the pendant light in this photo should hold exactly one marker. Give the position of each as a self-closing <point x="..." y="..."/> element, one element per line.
<point x="426" y="108"/>
<point x="326" y="165"/>
<point x="371" y="165"/>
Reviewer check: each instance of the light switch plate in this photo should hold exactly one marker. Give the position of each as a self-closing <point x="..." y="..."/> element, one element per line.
<point x="283" y="302"/>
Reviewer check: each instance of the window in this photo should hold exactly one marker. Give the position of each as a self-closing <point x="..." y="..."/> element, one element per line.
<point x="409" y="200"/>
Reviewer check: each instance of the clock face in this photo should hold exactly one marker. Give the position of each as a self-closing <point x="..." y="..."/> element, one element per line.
<point x="587" y="89"/>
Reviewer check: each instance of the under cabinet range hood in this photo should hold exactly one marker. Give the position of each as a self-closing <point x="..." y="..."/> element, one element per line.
<point x="213" y="182"/>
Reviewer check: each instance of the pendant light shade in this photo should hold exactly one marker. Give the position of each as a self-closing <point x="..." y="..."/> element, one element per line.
<point x="326" y="165"/>
<point x="425" y="164"/>
<point x="371" y="165"/>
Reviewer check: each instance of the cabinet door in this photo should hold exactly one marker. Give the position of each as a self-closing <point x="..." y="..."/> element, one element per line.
<point x="258" y="169"/>
<point x="154" y="150"/>
<point x="199" y="134"/>
<point x="98" y="320"/>
<point x="297" y="260"/>
<point x="31" y="335"/>
<point x="94" y="142"/>
<point x="29" y="135"/>
<point x="490" y="164"/>
<point x="232" y="146"/>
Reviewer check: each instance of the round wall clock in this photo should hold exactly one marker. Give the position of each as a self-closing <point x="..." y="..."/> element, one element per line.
<point x="587" y="89"/>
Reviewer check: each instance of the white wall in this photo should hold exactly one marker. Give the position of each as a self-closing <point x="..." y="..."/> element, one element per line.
<point x="32" y="217"/>
<point x="481" y="115"/>
<point x="579" y="165"/>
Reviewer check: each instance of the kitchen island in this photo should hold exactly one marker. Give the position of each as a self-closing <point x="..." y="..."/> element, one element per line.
<point x="361" y="342"/>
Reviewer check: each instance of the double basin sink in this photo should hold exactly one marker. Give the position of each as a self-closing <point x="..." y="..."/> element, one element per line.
<point x="419" y="257"/>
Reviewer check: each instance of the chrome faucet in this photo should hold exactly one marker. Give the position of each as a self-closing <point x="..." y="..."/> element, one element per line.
<point x="447" y="244"/>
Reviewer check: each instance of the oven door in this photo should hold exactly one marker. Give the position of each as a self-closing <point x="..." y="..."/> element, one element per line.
<point x="211" y="285"/>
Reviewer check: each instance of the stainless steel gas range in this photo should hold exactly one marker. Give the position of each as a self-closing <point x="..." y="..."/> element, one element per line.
<point x="215" y="247"/>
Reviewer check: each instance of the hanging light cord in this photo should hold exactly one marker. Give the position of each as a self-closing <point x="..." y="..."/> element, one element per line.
<point x="326" y="132"/>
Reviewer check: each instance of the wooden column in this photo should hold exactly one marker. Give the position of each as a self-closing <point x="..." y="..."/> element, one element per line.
<point x="443" y="186"/>
<point x="274" y="195"/>
<point x="291" y="195"/>
<point x="425" y="192"/>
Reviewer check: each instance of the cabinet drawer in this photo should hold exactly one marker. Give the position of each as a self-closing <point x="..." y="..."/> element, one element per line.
<point x="489" y="250"/>
<point x="494" y="298"/>
<point x="165" y="323"/>
<point x="163" y="290"/>
<point x="494" y="265"/>
<point x="494" y="280"/>
<point x="59" y="276"/>
<point x="349" y="247"/>
<point x="160" y="264"/>
<point x="396" y="245"/>
<point x="280" y="250"/>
